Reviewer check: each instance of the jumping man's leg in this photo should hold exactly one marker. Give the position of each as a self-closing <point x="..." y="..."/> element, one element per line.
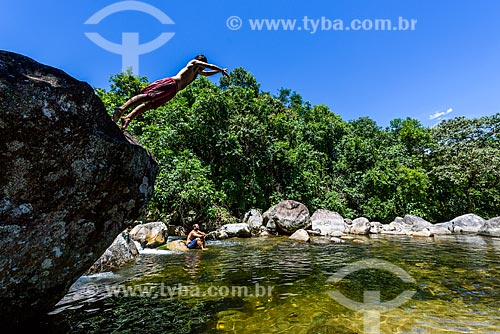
<point x="136" y="112"/>
<point x="131" y="103"/>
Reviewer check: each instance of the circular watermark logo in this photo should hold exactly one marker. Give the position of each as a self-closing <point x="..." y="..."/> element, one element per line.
<point x="372" y="305"/>
<point x="130" y="48"/>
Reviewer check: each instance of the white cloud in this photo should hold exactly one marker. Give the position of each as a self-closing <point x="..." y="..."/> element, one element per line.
<point x="439" y="114"/>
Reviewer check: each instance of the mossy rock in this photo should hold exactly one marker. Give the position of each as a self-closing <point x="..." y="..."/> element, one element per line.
<point x="176" y="246"/>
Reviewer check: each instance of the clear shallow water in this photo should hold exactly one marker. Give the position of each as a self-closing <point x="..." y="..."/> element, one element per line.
<point x="274" y="285"/>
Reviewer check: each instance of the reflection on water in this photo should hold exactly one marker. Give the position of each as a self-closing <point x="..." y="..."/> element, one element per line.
<point x="457" y="288"/>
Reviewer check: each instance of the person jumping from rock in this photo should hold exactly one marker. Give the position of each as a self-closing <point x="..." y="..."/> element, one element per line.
<point x="196" y="238"/>
<point x="161" y="91"/>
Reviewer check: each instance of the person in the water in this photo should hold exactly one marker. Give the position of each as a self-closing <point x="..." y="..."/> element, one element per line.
<point x="196" y="238"/>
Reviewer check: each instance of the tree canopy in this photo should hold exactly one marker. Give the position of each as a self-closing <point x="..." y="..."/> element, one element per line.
<point x="224" y="149"/>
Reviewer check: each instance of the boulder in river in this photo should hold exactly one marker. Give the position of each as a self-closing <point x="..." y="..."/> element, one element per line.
<point x="397" y="227"/>
<point x="177" y="246"/>
<point x="300" y="235"/>
<point x="122" y="251"/>
<point x="441" y="228"/>
<point x="150" y="235"/>
<point x="328" y="222"/>
<point x="240" y="230"/>
<point x="416" y="223"/>
<point x="288" y="216"/>
<point x="376" y="227"/>
<point x="360" y="225"/>
<point x="71" y="181"/>
<point x="467" y="224"/>
<point x="254" y="220"/>
<point x="491" y="227"/>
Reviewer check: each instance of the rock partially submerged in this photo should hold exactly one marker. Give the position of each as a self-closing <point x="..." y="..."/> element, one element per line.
<point x="287" y="216"/>
<point x="300" y="235"/>
<point x="177" y="246"/>
<point x="71" y="181"/>
<point x="328" y="222"/>
<point x="254" y="220"/>
<point x="241" y="230"/>
<point x="467" y="224"/>
<point x="150" y="235"/>
<point x="121" y="252"/>
<point x="361" y="226"/>
<point x="491" y="228"/>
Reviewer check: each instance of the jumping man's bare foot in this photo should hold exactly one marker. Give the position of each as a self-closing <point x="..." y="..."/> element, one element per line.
<point x="125" y="122"/>
<point x="117" y="114"/>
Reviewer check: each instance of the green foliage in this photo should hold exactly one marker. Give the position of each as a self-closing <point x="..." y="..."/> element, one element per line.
<point x="122" y="86"/>
<point x="225" y="149"/>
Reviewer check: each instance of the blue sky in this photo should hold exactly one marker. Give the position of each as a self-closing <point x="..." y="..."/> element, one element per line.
<point x="448" y="66"/>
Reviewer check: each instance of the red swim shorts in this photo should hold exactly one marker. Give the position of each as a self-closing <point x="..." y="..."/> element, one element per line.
<point x="161" y="91"/>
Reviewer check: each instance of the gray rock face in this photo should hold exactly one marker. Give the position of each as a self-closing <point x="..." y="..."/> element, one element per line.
<point x="216" y="235"/>
<point x="150" y="235"/>
<point x="254" y="220"/>
<point x="441" y="229"/>
<point x="360" y="226"/>
<point x="491" y="227"/>
<point x="288" y="216"/>
<point x="121" y="252"/>
<point x="397" y="227"/>
<point x="328" y="222"/>
<point x="376" y="227"/>
<point x="300" y="235"/>
<point x="416" y="223"/>
<point x="467" y="224"/>
<point x="240" y="230"/>
<point x="70" y="182"/>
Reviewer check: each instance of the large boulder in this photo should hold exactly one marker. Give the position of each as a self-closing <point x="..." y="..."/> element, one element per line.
<point x="122" y="251"/>
<point x="441" y="228"/>
<point x="216" y="235"/>
<point x="288" y="216"/>
<point x="150" y="235"/>
<point x="491" y="227"/>
<point x="360" y="225"/>
<point x="240" y="230"/>
<point x="70" y="182"/>
<point x="254" y="220"/>
<point x="376" y="227"/>
<point x="467" y="224"/>
<point x="328" y="222"/>
<point x="416" y="223"/>
<point x="397" y="227"/>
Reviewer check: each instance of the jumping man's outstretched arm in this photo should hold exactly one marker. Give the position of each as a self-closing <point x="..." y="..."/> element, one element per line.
<point x="209" y="73"/>
<point x="216" y="68"/>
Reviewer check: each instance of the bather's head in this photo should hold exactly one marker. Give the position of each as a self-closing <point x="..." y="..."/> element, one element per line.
<point x="202" y="58"/>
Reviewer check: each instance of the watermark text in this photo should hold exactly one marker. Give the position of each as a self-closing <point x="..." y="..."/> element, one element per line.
<point x="321" y="24"/>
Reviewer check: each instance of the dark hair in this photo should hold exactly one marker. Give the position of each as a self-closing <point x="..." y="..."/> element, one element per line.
<point x="202" y="58"/>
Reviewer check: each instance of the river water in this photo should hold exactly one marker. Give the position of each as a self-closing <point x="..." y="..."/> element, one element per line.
<point x="449" y="284"/>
